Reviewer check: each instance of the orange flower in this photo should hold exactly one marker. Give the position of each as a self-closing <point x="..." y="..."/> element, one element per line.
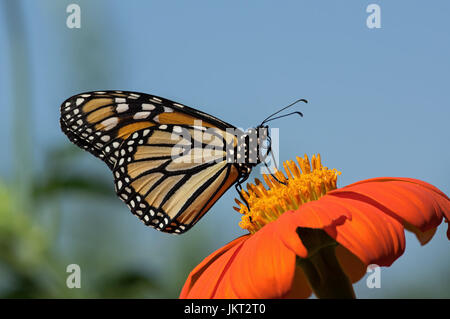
<point x="306" y="235"/>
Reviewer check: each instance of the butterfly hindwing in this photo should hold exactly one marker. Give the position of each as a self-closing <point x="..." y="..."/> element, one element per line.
<point x="168" y="176"/>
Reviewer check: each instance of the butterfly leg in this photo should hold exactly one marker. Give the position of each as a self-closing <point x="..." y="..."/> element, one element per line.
<point x="269" y="150"/>
<point x="238" y="187"/>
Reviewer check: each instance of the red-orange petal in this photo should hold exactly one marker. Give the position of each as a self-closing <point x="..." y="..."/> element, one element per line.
<point x="367" y="219"/>
<point x="264" y="267"/>
<point x="419" y="206"/>
<point x="203" y="279"/>
<point x="404" y="179"/>
<point x="300" y="288"/>
<point x="316" y="214"/>
<point x="371" y="235"/>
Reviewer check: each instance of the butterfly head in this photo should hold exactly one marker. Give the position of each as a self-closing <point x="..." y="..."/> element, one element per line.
<point x="259" y="144"/>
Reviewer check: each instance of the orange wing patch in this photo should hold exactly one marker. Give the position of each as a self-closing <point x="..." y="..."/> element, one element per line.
<point x="156" y="196"/>
<point x="137" y="168"/>
<point x="100" y="114"/>
<point x="143" y="184"/>
<point x="127" y="130"/>
<point x="95" y="104"/>
<point x="180" y="118"/>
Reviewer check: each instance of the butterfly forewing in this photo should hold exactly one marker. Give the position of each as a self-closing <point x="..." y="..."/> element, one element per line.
<point x="100" y="121"/>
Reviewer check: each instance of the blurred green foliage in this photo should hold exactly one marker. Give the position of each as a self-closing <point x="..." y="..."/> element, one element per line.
<point x="31" y="266"/>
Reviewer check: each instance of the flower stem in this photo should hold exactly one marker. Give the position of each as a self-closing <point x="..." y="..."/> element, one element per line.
<point x="321" y="267"/>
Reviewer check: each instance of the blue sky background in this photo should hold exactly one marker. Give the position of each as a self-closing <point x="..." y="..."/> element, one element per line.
<point x="378" y="100"/>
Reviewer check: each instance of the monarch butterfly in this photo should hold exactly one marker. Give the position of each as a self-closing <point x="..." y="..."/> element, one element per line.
<point x="170" y="162"/>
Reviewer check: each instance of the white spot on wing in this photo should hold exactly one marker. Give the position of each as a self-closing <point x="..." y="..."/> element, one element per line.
<point x="148" y="107"/>
<point x="122" y="108"/>
<point x="155" y="99"/>
<point x="141" y="115"/>
<point x="110" y="123"/>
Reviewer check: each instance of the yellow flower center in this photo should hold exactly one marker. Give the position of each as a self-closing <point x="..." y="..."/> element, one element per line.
<point x="304" y="182"/>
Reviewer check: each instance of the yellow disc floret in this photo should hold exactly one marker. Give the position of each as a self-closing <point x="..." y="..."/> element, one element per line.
<point x="304" y="182"/>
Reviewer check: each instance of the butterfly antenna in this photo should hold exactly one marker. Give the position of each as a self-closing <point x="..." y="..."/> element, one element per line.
<point x="284" y="108"/>
<point x="285" y="115"/>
